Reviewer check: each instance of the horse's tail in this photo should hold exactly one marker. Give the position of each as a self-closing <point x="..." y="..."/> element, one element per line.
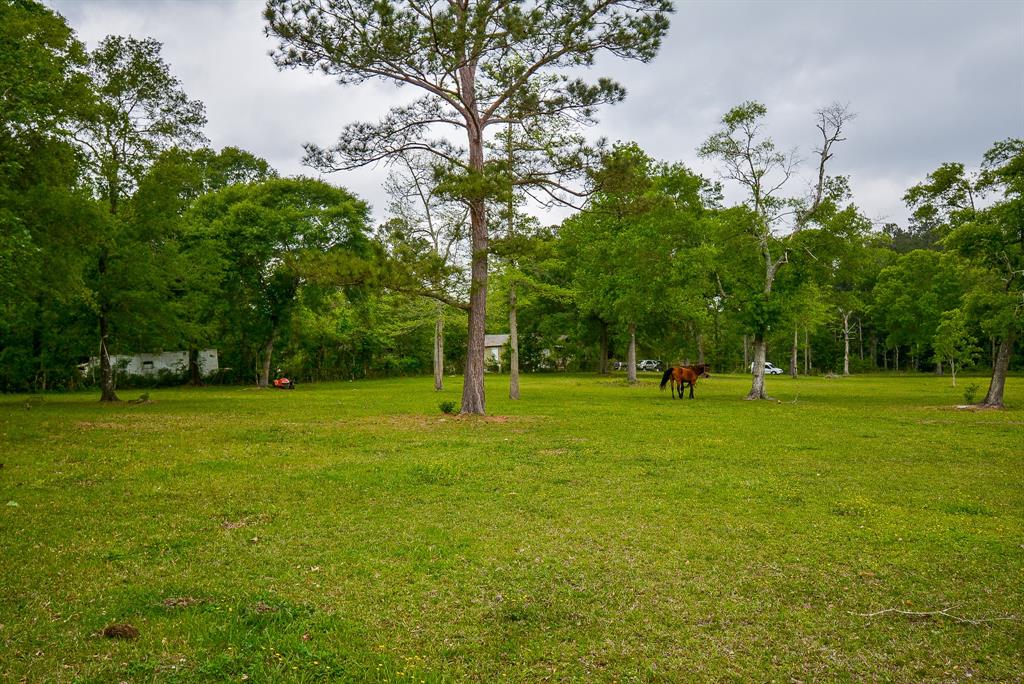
<point x="665" y="377"/>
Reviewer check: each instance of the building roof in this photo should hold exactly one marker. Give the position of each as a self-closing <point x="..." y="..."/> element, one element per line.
<point x="496" y="340"/>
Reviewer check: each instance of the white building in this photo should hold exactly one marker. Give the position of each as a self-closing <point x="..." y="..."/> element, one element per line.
<point x="494" y="346"/>
<point x="151" y="364"/>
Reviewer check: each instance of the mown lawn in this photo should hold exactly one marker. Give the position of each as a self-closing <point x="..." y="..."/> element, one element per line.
<point x="590" y="532"/>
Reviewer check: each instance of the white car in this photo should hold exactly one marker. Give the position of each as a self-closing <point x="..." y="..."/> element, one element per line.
<point x="769" y="369"/>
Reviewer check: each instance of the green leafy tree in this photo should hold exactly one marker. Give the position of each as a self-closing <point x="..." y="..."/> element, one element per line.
<point x="954" y="342"/>
<point x="752" y="160"/>
<point x="276" y="240"/>
<point x="45" y="217"/>
<point x="911" y="295"/>
<point x="170" y="186"/>
<point x="992" y="240"/>
<point x="139" y="111"/>
<point x="629" y="245"/>
<point x="475" y="64"/>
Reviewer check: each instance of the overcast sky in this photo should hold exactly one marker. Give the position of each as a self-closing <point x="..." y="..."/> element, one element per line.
<point x="930" y="81"/>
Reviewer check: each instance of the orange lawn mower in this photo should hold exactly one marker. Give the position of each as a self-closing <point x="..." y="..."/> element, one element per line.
<point x="281" y="382"/>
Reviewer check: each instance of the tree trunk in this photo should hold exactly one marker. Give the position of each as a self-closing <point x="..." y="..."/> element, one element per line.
<point x="896" y="359"/>
<point x="994" y="398"/>
<point x="439" y="348"/>
<point x="513" y="345"/>
<point x="631" y="355"/>
<point x="268" y="351"/>
<point x="602" y="363"/>
<point x="473" y="401"/>
<point x="195" y="376"/>
<point x="757" y="386"/>
<point x="938" y="366"/>
<point x="746" y="355"/>
<point x="107" y="392"/>
<point x="793" y="353"/>
<point x="860" y="339"/>
<point x="952" y="370"/>
<point x="874" y="351"/>
<point x="807" y="352"/>
<point x="700" y="349"/>
<point x="846" y="343"/>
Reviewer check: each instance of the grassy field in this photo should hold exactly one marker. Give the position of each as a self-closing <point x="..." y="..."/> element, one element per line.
<point x="590" y="532"/>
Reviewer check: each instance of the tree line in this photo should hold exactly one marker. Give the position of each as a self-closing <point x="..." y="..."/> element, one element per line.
<point x="122" y="231"/>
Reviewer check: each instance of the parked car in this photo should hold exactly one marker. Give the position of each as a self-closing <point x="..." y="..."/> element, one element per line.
<point x="769" y="369"/>
<point x="649" y="365"/>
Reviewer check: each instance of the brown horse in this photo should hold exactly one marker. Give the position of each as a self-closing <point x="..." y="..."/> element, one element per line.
<point x="684" y="375"/>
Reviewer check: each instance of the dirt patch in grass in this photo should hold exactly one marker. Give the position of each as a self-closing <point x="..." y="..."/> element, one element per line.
<point x="180" y="601"/>
<point x="147" y="422"/>
<point x="123" y="631"/>
<point x="417" y="422"/>
<point x="227" y="524"/>
<point x="91" y="425"/>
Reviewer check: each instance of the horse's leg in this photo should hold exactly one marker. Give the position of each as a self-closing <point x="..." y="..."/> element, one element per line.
<point x="691" y="388"/>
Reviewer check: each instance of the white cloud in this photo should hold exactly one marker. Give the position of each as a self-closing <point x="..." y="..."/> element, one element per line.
<point x="932" y="82"/>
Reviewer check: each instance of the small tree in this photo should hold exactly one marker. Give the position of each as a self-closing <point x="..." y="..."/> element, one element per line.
<point x="953" y="342"/>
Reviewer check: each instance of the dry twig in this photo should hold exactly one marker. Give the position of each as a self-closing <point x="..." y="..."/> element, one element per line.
<point x="943" y="612"/>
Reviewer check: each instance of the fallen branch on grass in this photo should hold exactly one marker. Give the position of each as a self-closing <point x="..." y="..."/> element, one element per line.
<point x="943" y="613"/>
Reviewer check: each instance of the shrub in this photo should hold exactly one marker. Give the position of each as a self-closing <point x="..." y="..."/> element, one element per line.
<point x="970" y="392"/>
<point x="447" y="407"/>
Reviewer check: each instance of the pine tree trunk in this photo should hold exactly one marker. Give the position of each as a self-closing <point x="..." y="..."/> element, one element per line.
<point x="896" y="359"/>
<point x="439" y="349"/>
<point x="994" y="398"/>
<point x="952" y="370"/>
<point x="513" y="347"/>
<point x="700" y="349"/>
<point x="793" y="353"/>
<point x="602" y="363"/>
<point x="473" y="401"/>
<point x="757" y="386"/>
<point x="631" y="355"/>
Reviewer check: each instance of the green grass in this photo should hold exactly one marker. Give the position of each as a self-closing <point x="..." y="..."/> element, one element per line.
<point x="590" y="532"/>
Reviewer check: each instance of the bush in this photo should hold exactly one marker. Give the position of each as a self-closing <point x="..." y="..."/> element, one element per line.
<point x="447" y="407"/>
<point x="970" y="392"/>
